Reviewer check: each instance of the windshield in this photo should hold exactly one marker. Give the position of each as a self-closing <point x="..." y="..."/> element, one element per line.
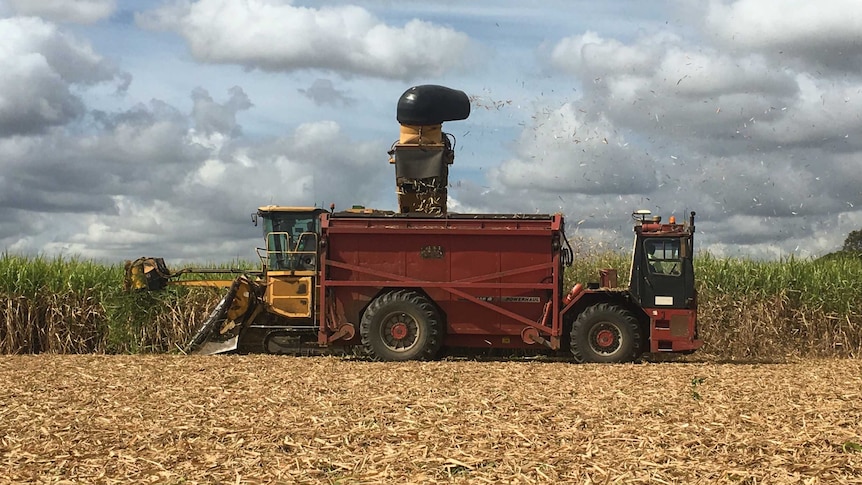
<point x="291" y="240"/>
<point x="663" y="256"/>
<point x="293" y="225"/>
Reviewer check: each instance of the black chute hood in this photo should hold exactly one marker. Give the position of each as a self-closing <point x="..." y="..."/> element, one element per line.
<point x="430" y="104"/>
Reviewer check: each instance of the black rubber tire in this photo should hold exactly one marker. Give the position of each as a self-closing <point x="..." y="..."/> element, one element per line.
<point x="606" y="322"/>
<point x="414" y="315"/>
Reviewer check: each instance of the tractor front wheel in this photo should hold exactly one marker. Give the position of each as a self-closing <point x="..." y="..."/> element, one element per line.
<point x="606" y="333"/>
<point x="401" y="325"/>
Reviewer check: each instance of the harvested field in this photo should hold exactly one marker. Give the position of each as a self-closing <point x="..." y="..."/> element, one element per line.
<point x="269" y="419"/>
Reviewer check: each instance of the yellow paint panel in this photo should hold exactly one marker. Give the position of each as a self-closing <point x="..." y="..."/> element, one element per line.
<point x="209" y="283"/>
<point x="290" y="296"/>
<point x="241" y="301"/>
<point x="282" y="208"/>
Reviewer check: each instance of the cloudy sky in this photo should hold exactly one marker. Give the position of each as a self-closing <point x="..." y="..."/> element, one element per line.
<point x="133" y="128"/>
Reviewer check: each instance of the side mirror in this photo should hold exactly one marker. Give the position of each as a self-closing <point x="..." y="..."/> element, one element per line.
<point x="254" y="218"/>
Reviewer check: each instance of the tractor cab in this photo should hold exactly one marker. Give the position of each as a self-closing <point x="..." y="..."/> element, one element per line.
<point x="662" y="273"/>
<point x="291" y="235"/>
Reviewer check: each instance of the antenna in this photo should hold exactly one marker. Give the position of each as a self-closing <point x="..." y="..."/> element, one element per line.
<point x="640" y="216"/>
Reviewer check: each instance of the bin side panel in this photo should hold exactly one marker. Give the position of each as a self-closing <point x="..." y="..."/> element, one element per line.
<point x="437" y="257"/>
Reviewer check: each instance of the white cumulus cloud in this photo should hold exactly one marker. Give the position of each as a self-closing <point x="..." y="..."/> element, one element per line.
<point x="41" y="66"/>
<point x="277" y="36"/>
<point x="73" y="11"/>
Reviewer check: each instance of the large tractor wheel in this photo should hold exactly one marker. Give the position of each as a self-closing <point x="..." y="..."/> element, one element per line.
<point x="401" y="325"/>
<point x="606" y="333"/>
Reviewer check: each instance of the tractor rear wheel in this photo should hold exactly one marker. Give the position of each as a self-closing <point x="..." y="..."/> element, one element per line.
<point x="401" y="325"/>
<point x="607" y="334"/>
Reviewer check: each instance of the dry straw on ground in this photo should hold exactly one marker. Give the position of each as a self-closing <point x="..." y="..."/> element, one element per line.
<point x="269" y="419"/>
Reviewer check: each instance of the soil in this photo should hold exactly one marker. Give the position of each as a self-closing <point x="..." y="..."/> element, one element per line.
<point x="271" y="419"/>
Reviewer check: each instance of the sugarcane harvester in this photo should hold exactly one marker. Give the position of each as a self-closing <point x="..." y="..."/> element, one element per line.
<point x="402" y="285"/>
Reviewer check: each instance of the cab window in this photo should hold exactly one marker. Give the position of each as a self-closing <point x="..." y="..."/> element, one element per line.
<point x="291" y="240"/>
<point x="663" y="256"/>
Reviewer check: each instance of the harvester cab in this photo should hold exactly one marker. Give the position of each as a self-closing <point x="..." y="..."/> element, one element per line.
<point x="291" y="235"/>
<point x="662" y="271"/>
<point x="290" y="260"/>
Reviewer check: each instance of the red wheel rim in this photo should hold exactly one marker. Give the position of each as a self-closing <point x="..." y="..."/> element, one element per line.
<point x="399" y="330"/>
<point x="605" y="338"/>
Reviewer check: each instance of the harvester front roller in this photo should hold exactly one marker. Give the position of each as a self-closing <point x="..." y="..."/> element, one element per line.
<point x="212" y="322"/>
